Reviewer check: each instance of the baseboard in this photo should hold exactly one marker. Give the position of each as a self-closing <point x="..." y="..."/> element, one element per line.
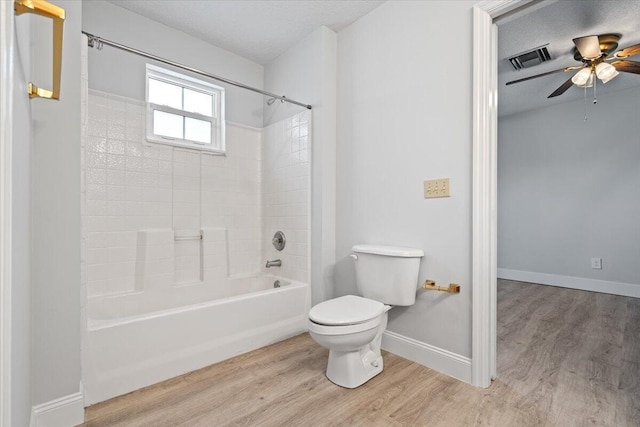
<point x="66" y="411"/>
<point x="584" y="284"/>
<point x="433" y="357"/>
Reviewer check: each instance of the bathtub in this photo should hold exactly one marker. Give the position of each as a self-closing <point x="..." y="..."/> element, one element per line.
<point x="135" y="340"/>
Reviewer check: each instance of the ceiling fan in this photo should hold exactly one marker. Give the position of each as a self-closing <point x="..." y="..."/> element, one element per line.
<point x="595" y="53"/>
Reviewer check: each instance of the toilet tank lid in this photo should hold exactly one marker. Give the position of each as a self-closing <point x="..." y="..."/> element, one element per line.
<point x="388" y="251"/>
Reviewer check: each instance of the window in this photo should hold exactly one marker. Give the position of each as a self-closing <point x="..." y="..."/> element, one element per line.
<point x="184" y="111"/>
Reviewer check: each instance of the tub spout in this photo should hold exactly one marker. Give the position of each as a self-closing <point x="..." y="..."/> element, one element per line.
<point x="274" y="263"/>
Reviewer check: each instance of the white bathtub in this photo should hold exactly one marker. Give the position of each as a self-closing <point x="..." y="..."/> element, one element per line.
<point x="135" y="340"/>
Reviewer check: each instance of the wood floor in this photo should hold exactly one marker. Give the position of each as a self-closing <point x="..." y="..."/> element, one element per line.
<point x="565" y="358"/>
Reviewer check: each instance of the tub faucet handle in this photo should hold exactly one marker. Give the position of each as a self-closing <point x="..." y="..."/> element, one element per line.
<point x="279" y="241"/>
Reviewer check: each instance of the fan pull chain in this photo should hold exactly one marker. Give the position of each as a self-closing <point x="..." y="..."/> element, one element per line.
<point x="585" y="103"/>
<point x="595" y="83"/>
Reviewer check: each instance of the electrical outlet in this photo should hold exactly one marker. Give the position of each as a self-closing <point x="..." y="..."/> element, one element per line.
<point x="436" y="188"/>
<point x="596" y="263"/>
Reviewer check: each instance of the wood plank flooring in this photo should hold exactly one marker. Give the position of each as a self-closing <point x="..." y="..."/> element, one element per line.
<point x="565" y="358"/>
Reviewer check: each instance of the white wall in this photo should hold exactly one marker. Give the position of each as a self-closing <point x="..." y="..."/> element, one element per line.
<point x="404" y="115"/>
<point x="307" y="73"/>
<point x="21" y="229"/>
<point x="123" y="73"/>
<point x="569" y="190"/>
<point x="55" y="266"/>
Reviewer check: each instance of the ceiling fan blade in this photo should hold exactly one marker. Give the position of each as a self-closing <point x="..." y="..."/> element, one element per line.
<point x="589" y="47"/>
<point x="563" y="70"/>
<point x="562" y="89"/>
<point x="628" y="51"/>
<point x="627" y="66"/>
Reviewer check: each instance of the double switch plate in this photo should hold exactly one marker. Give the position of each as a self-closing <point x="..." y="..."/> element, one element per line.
<point x="436" y="188"/>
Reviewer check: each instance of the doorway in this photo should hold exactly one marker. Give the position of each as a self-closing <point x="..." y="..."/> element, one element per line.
<point x="562" y="347"/>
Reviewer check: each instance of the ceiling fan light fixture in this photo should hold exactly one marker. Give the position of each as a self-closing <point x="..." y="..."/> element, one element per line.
<point x="606" y="72"/>
<point x="583" y="78"/>
<point x="590" y="81"/>
<point x="588" y="46"/>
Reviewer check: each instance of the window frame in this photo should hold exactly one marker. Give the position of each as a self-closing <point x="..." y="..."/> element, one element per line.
<point x="217" y="145"/>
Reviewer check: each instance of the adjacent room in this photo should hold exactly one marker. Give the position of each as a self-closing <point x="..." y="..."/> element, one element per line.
<point x="319" y="213"/>
<point x="568" y="203"/>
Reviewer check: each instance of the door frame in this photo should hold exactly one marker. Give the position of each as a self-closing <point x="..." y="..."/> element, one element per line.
<point x="6" y="141"/>
<point x="484" y="185"/>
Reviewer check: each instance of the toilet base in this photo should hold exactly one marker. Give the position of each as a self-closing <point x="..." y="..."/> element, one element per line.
<point x="354" y="363"/>
<point x="351" y="369"/>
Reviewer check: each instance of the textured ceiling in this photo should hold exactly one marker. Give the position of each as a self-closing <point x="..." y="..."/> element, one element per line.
<point x="257" y="30"/>
<point x="557" y="24"/>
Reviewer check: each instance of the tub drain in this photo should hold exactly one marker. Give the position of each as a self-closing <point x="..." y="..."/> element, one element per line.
<point x="276" y="284"/>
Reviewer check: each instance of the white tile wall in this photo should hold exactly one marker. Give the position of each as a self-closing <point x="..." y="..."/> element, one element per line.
<point x="285" y="192"/>
<point x="155" y="259"/>
<point x="130" y="185"/>
<point x="231" y="198"/>
<point x="133" y="191"/>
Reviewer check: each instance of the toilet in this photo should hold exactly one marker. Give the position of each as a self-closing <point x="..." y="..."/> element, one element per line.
<point x="351" y="326"/>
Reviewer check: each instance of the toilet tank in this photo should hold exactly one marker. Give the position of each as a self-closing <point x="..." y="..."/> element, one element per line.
<point x="387" y="274"/>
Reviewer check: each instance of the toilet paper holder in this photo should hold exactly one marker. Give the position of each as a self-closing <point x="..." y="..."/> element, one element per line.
<point x="453" y="288"/>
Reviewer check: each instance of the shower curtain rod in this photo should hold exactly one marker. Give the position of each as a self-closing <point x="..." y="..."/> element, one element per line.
<point x="96" y="41"/>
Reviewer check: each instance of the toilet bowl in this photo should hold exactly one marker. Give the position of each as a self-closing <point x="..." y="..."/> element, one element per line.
<point x="351" y="326"/>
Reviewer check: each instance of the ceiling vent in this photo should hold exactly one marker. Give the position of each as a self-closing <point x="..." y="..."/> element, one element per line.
<point x="531" y="58"/>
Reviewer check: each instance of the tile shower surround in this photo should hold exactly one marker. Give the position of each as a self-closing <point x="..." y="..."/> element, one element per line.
<point x="260" y="186"/>
<point x="285" y="193"/>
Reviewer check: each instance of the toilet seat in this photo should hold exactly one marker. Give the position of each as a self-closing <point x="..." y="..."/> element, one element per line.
<point x="346" y="310"/>
<point x="344" y="329"/>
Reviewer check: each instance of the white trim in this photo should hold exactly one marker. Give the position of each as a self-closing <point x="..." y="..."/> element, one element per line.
<point x="243" y="126"/>
<point x="484" y="187"/>
<point x="6" y="141"/>
<point x="496" y="8"/>
<point x="433" y="357"/>
<point x="582" y="283"/>
<point x="173" y="77"/>
<point x="483" y="190"/>
<point x="63" y="412"/>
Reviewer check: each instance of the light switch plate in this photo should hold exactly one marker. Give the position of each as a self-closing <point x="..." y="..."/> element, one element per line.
<point x="436" y="188"/>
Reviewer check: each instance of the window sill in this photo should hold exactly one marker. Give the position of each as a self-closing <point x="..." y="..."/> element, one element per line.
<point x="193" y="146"/>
